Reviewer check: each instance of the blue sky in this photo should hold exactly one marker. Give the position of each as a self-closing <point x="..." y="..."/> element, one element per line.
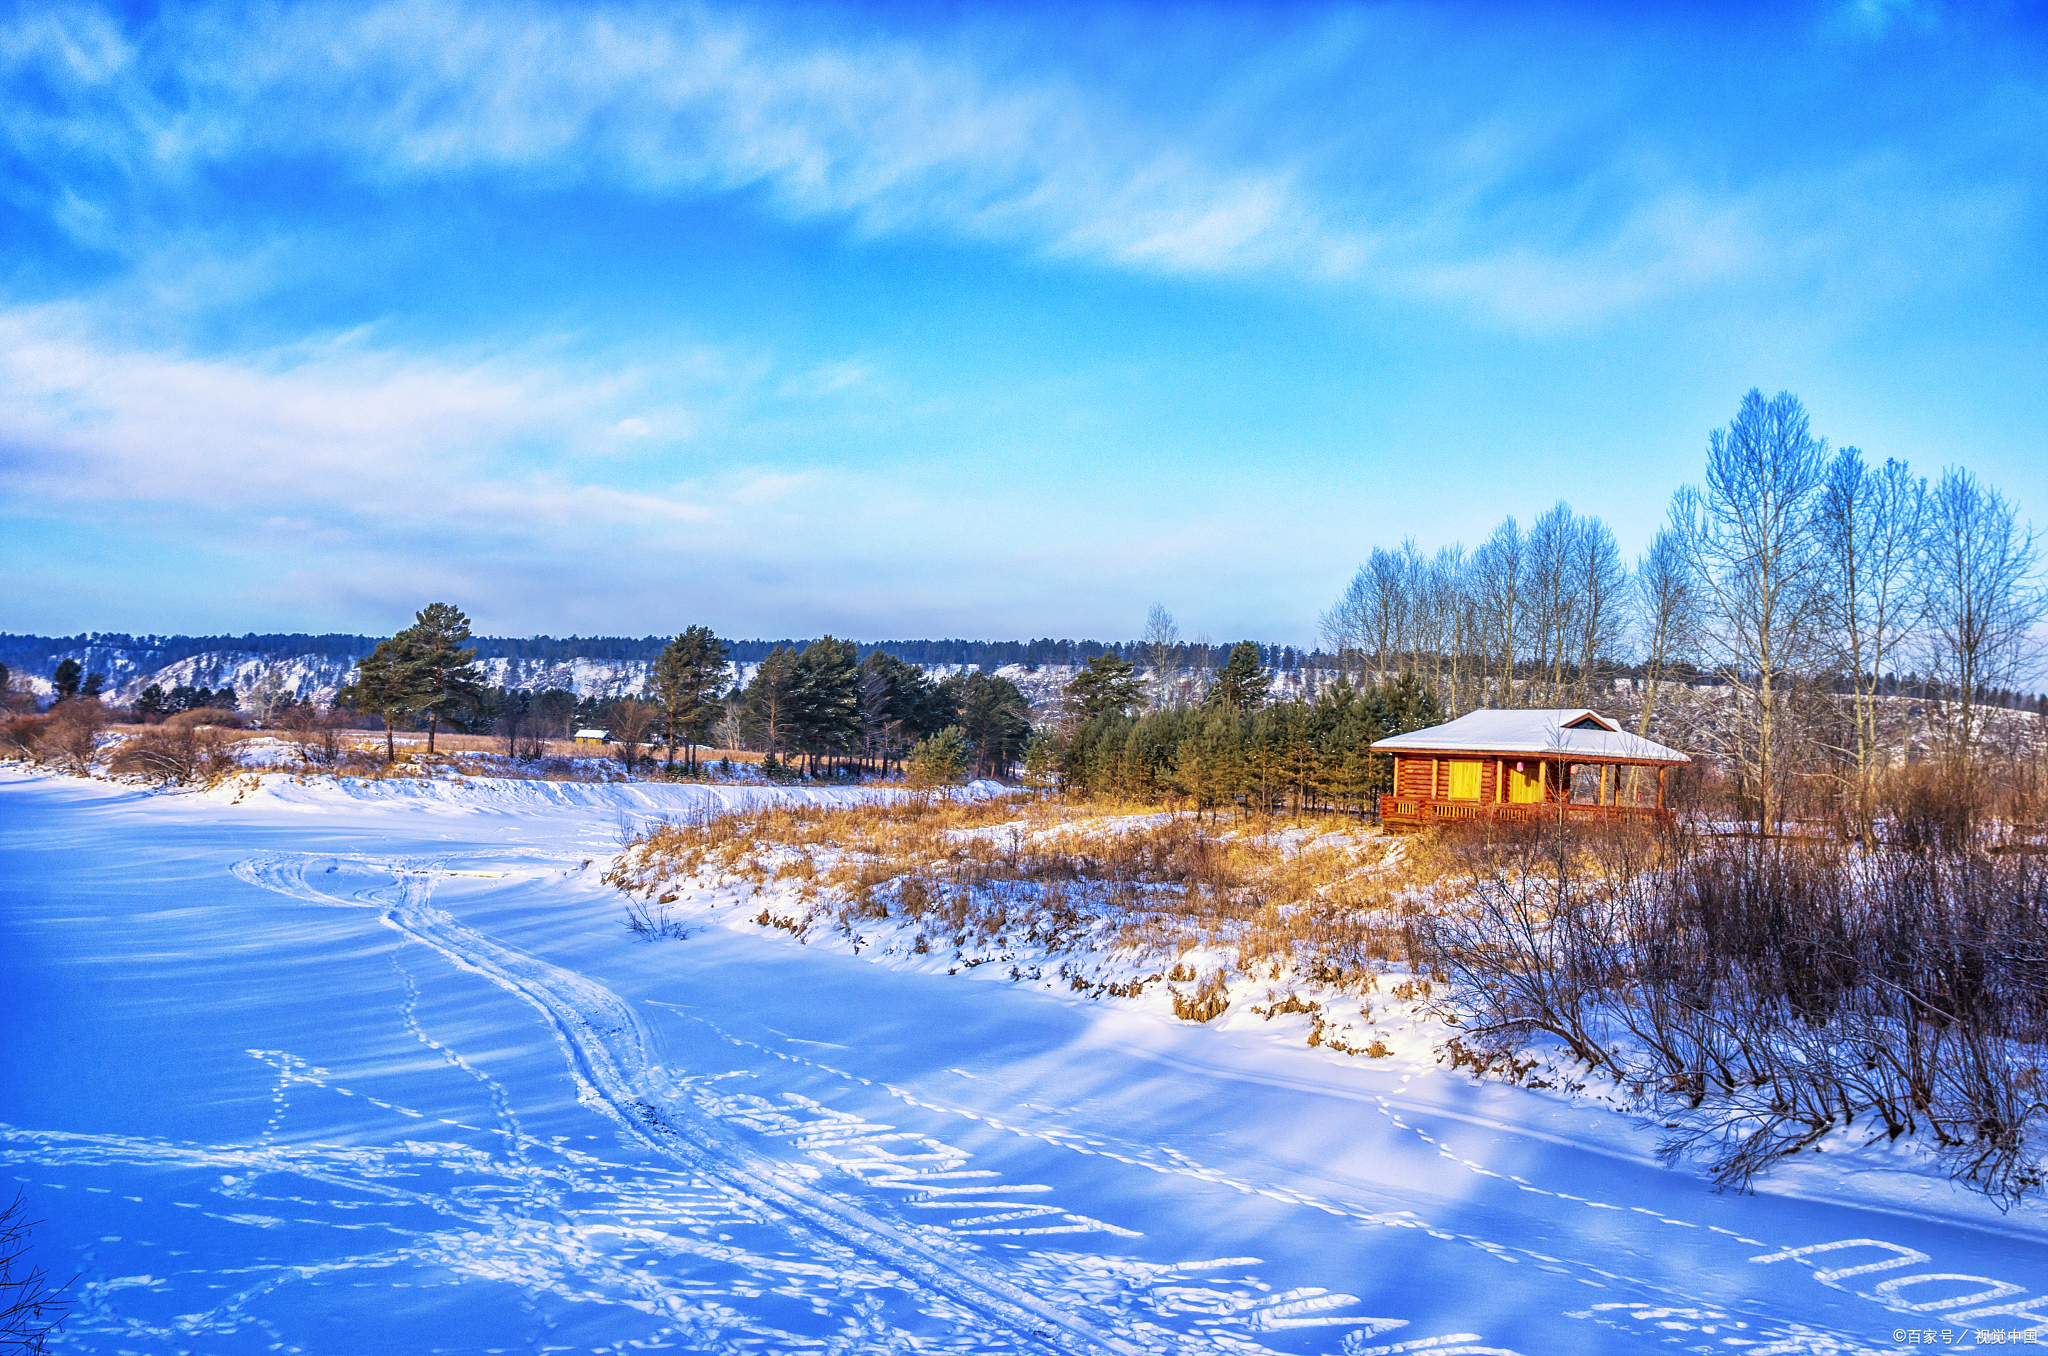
<point x="937" y="320"/>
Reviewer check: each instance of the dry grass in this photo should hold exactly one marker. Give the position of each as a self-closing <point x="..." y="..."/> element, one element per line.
<point x="1318" y="901"/>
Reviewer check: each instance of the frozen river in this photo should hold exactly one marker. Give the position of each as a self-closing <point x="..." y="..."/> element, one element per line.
<point x="334" y="1072"/>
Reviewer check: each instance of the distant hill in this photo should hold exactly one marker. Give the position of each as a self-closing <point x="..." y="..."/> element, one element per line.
<point x="315" y="666"/>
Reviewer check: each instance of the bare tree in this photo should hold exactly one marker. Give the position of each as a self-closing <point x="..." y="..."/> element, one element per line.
<point x="1373" y="624"/>
<point x="1869" y="524"/>
<point x="1980" y="598"/>
<point x="1162" y="651"/>
<point x="1601" y="582"/>
<point x="1748" y="542"/>
<point x="1667" y="616"/>
<point x="1497" y="585"/>
<point x="1448" y="617"/>
<point x="1550" y="597"/>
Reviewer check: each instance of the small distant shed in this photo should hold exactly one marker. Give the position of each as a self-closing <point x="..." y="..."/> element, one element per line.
<point x="593" y="738"/>
<point x="1510" y="765"/>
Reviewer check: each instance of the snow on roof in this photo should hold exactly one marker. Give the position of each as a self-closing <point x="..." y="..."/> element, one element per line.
<point x="1570" y="732"/>
<point x="593" y="734"/>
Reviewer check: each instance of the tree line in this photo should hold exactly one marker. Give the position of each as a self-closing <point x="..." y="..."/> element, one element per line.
<point x="812" y="709"/>
<point x="1137" y="737"/>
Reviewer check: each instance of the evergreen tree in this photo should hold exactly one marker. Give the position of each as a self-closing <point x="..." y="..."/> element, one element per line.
<point x="994" y="719"/>
<point x="226" y="699"/>
<point x="67" y="678"/>
<point x="1107" y="684"/>
<point x="772" y="696"/>
<point x="899" y="705"/>
<point x="1243" y="683"/>
<point x="150" y="704"/>
<point x="826" y="708"/>
<point x="687" y="680"/>
<point x="938" y="759"/>
<point x="444" y="681"/>
<point x="386" y="685"/>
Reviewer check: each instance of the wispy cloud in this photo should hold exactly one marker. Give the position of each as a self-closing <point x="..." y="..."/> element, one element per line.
<point x="1544" y="194"/>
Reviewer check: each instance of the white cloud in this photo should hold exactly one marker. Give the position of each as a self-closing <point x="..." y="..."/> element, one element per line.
<point x="1534" y="191"/>
<point x="344" y="434"/>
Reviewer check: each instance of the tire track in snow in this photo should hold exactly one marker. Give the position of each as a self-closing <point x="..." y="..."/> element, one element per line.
<point x="1784" y="1338"/>
<point x="606" y="1050"/>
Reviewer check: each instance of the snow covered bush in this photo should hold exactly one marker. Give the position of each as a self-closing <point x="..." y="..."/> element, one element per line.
<point x="1766" y="992"/>
<point x="172" y="755"/>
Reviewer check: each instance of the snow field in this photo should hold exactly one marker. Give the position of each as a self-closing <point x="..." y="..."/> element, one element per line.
<point x="340" y="1067"/>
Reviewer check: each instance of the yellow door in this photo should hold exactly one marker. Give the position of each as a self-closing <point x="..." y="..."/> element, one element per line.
<point x="1525" y="787"/>
<point x="1465" y="779"/>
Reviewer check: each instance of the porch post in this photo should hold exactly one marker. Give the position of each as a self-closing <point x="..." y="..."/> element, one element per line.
<point x="1660" y="786"/>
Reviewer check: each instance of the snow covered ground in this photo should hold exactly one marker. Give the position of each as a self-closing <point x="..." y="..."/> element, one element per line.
<point x="337" y="1067"/>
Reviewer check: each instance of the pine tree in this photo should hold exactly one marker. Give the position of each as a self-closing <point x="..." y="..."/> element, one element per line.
<point x="1107" y="684"/>
<point x="151" y="703"/>
<point x="687" y="680"/>
<point x="386" y="685"/>
<point x="771" y="696"/>
<point x="444" y="678"/>
<point x="67" y="678"/>
<point x="1243" y="683"/>
<point x="994" y="718"/>
<point x="827" y="699"/>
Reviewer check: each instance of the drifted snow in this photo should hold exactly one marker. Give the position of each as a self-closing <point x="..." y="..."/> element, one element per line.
<point x="376" y="1066"/>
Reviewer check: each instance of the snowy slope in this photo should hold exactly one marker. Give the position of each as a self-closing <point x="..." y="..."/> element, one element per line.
<point x="341" y="1067"/>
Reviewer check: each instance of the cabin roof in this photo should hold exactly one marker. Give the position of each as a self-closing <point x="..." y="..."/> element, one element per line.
<point x="593" y="734"/>
<point x="1572" y="732"/>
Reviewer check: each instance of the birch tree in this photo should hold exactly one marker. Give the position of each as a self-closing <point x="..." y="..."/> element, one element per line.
<point x="1979" y="596"/>
<point x="1870" y="526"/>
<point x="1748" y="543"/>
<point x="1497" y="587"/>
<point x="1162" y="651"/>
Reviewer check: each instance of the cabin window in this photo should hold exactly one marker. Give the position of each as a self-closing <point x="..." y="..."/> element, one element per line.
<point x="1465" y="779"/>
<point x="1525" y="783"/>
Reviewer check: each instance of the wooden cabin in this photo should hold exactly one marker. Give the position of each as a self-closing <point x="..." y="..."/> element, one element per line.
<point x="1509" y="765"/>
<point x="593" y="739"/>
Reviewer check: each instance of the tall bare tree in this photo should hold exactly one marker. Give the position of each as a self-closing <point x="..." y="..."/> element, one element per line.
<point x="1162" y="651"/>
<point x="1550" y="599"/>
<point x="1980" y="598"/>
<point x="1497" y="596"/>
<point x="1748" y="542"/>
<point x="1601" y="583"/>
<point x="1869" y="523"/>
<point x="1667" y="616"/>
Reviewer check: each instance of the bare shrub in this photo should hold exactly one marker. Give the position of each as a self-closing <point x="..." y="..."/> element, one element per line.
<point x="70" y="734"/>
<point x="169" y="755"/>
<point x="215" y="716"/>
<point x="1773" y="990"/>
<point x="31" y="1309"/>
<point x="315" y="733"/>
<point x="22" y="736"/>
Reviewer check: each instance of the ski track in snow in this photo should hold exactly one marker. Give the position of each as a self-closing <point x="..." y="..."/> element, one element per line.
<point x="724" y="1246"/>
<point x="686" y="1119"/>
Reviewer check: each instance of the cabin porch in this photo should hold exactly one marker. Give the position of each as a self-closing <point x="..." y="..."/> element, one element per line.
<point x="1507" y="788"/>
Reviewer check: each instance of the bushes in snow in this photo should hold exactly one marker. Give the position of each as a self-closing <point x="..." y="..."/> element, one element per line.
<point x="1770" y="991"/>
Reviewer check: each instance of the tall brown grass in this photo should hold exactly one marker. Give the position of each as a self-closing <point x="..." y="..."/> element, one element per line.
<point x="1315" y="900"/>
